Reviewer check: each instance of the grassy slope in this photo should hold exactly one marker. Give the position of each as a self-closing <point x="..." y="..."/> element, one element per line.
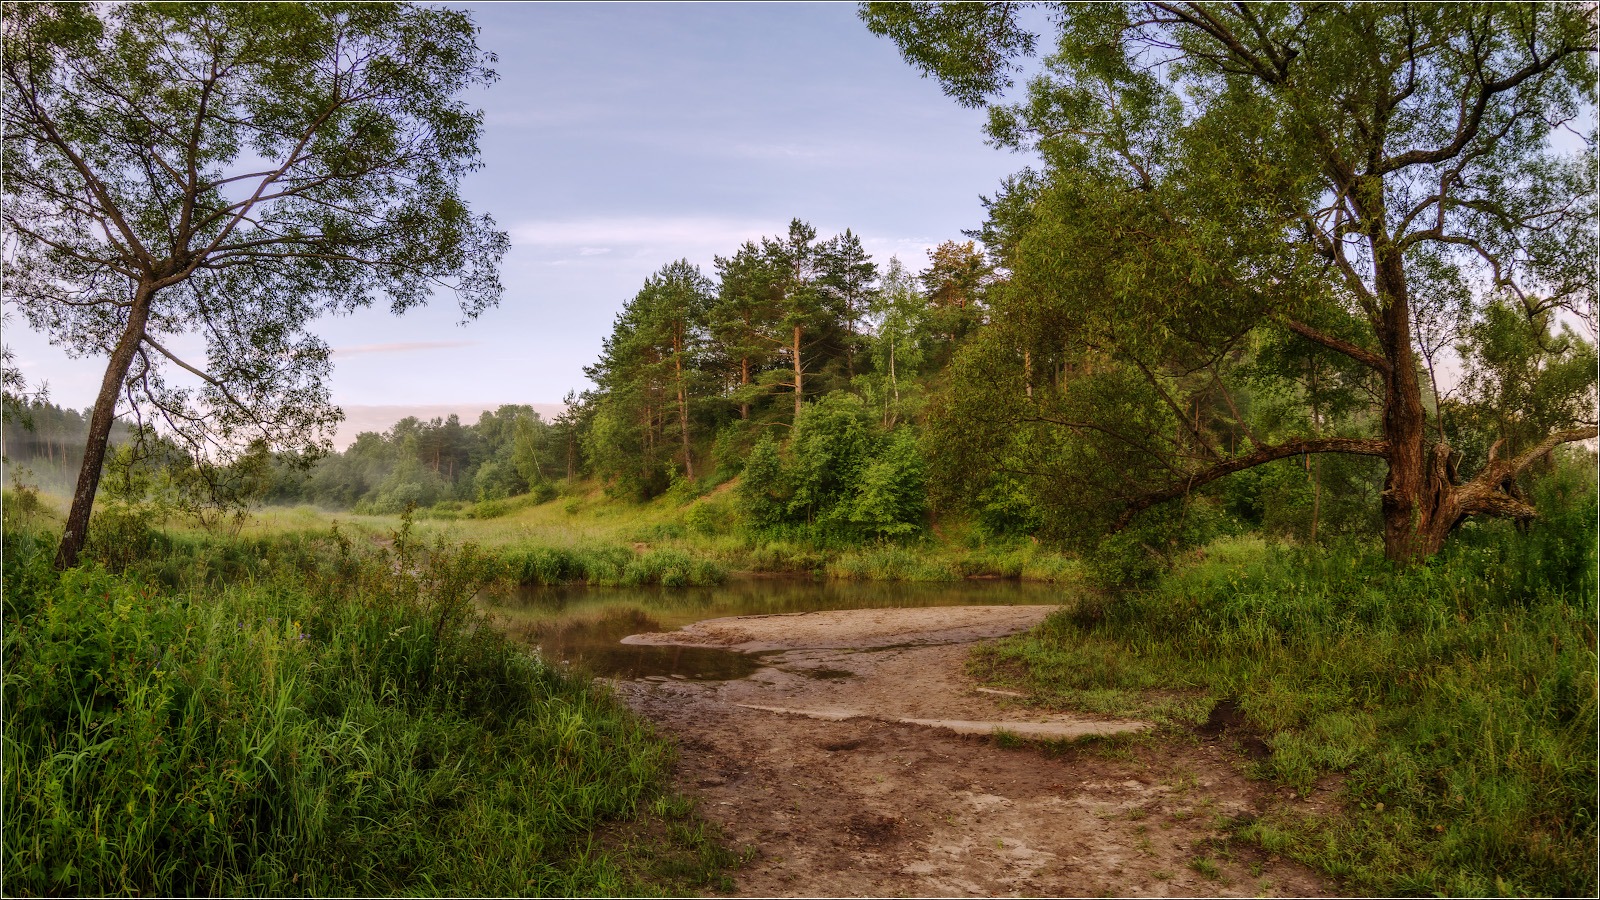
<point x="296" y="714"/>
<point x="1455" y="703"/>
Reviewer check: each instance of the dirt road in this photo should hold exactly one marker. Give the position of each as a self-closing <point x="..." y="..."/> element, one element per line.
<point x="862" y="760"/>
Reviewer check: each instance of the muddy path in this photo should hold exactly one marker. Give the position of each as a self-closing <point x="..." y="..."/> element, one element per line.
<point x="860" y="759"/>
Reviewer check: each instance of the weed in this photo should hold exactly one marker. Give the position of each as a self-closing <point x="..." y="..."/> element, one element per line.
<point x="1007" y="740"/>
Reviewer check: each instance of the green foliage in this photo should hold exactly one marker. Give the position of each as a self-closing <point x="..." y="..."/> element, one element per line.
<point x="1185" y="257"/>
<point x="762" y="486"/>
<point x="609" y="565"/>
<point x="1525" y="377"/>
<point x="841" y="475"/>
<point x="709" y="517"/>
<point x="1005" y="507"/>
<point x="1459" y="695"/>
<point x="296" y="716"/>
<point x="834" y="441"/>
<point x="891" y="497"/>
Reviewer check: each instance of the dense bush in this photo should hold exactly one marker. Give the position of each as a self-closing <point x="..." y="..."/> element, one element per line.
<point x="841" y="475"/>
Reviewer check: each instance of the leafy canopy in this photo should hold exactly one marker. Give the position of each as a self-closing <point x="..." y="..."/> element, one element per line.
<point x="221" y="174"/>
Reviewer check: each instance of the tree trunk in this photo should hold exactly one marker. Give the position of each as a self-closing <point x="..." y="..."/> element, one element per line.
<point x="888" y="416"/>
<point x="799" y="375"/>
<point x="683" y="406"/>
<point x="105" y="408"/>
<point x="1411" y="493"/>
<point x="744" y="381"/>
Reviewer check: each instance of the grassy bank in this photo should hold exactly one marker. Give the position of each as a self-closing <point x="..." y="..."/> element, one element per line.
<point x="585" y="537"/>
<point x="300" y="714"/>
<point x="1454" y="703"/>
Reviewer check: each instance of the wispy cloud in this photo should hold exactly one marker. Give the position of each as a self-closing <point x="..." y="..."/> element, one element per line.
<point x="790" y="151"/>
<point x="401" y="347"/>
<point x="589" y="235"/>
<point x="625" y="239"/>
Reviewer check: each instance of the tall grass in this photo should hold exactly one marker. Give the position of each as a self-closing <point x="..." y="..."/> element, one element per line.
<point x="610" y="565"/>
<point x="1456" y="701"/>
<point x="298" y="716"/>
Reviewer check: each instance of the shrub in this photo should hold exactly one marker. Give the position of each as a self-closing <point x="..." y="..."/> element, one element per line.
<point x="762" y="490"/>
<point x="891" y="496"/>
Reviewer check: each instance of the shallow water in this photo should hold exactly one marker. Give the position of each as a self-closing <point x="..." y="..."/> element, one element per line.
<point x="583" y="626"/>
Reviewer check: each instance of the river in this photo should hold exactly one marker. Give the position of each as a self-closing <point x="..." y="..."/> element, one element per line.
<point x="582" y="626"/>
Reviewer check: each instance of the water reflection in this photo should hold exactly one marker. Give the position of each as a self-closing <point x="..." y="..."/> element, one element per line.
<point x="583" y="626"/>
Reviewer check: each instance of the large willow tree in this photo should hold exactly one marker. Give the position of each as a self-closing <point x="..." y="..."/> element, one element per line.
<point x="229" y="172"/>
<point x="1368" y="192"/>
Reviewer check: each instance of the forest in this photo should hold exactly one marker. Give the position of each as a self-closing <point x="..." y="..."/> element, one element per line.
<point x="1273" y="373"/>
<point x="847" y="404"/>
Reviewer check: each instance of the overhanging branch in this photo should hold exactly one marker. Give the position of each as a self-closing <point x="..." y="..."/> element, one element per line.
<point x="1357" y="446"/>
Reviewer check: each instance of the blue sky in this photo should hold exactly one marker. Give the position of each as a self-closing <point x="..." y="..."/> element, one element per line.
<point x="621" y="137"/>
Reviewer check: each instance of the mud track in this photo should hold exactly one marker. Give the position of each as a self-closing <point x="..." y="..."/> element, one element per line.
<point x="862" y="760"/>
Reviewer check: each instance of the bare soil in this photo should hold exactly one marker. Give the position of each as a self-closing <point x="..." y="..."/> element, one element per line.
<point x="862" y="760"/>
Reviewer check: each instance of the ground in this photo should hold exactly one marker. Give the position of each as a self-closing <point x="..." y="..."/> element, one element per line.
<point x="863" y="760"/>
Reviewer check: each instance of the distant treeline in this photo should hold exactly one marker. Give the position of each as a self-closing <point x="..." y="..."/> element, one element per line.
<point x="508" y="452"/>
<point x="43" y="443"/>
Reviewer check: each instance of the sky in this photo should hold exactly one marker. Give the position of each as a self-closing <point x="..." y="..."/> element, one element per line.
<point x="621" y="137"/>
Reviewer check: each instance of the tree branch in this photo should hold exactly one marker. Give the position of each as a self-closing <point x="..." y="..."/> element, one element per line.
<point x="1359" y="354"/>
<point x="1357" y="446"/>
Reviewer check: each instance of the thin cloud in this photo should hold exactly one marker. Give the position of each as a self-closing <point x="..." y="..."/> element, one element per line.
<point x="630" y="231"/>
<point x="401" y="347"/>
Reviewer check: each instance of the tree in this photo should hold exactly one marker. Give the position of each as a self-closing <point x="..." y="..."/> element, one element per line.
<point x="899" y="314"/>
<point x="797" y="266"/>
<point x="742" y="318"/>
<point x="1353" y="177"/>
<point x="675" y="316"/>
<point x="651" y="362"/>
<point x="233" y="171"/>
<point x="955" y="280"/>
<point x="848" y="279"/>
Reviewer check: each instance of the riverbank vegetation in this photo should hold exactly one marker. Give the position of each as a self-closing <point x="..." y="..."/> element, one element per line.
<point x="307" y="714"/>
<point x="1451" y="707"/>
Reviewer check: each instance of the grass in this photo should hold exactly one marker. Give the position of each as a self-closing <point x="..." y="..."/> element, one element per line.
<point x="586" y="538"/>
<point x="310" y="714"/>
<point x="589" y="538"/>
<point x="1453" y="703"/>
